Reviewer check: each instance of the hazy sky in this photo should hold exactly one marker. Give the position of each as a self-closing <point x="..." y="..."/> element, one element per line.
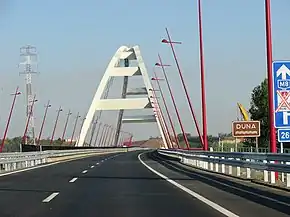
<point x="76" y="40"/>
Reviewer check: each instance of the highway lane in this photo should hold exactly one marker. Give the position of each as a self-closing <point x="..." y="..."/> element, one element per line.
<point x="21" y="194"/>
<point x="118" y="186"/>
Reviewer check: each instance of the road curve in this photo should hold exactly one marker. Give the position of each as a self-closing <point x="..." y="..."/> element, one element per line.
<point x="119" y="185"/>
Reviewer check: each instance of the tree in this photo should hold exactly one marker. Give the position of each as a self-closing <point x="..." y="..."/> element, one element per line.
<point x="12" y="145"/>
<point x="224" y="135"/>
<point x="259" y="110"/>
<point x="180" y="136"/>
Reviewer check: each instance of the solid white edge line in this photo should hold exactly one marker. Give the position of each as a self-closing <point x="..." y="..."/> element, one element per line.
<point x="73" y="180"/>
<point x="85" y="171"/>
<point x="42" y="165"/>
<point x="239" y="189"/>
<point x="50" y="197"/>
<point x="190" y="192"/>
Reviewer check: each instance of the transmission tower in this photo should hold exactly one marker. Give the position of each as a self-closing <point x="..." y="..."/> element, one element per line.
<point x="28" y="56"/>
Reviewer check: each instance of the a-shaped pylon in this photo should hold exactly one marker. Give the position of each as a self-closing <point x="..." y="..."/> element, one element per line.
<point x="114" y="69"/>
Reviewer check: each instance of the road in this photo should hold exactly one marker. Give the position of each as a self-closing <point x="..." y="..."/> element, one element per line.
<point x="121" y="185"/>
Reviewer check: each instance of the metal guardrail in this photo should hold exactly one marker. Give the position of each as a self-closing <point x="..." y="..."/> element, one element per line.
<point x="37" y="153"/>
<point x="18" y="160"/>
<point x="248" y="149"/>
<point x="228" y="162"/>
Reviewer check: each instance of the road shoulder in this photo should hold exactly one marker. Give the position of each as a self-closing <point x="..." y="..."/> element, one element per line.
<point x="242" y="197"/>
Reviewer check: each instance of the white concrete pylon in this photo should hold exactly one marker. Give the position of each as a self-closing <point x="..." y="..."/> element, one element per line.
<point x="113" y="70"/>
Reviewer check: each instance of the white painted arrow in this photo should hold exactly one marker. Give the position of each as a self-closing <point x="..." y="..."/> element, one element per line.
<point x="284" y="71"/>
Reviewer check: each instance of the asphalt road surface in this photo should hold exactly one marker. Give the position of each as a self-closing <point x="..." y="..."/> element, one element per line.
<point x="131" y="185"/>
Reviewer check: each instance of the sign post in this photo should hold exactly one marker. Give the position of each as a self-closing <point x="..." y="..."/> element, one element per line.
<point x="257" y="144"/>
<point x="281" y="96"/>
<point x="283" y="136"/>
<point x="246" y="129"/>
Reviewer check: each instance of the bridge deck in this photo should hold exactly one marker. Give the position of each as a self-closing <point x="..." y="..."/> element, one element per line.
<point x="120" y="185"/>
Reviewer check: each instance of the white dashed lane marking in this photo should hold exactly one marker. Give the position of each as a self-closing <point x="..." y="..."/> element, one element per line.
<point x="73" y="180"/>
<point x="50" y="197"/>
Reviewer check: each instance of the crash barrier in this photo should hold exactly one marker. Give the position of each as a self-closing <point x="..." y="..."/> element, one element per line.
<point x="258" y="166"/>
<point x="221" y="148"/>
<point x="29" y="148"/>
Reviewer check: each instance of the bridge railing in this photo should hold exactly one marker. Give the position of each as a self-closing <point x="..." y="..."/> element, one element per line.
<point x="8" y="155"/>
<point x="248" y="149"/>
<point x="259" y="167"/>
<point x="17" y="160"/>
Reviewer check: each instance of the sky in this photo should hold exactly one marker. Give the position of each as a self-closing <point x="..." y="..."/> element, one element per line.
<point x="75" y="41"/>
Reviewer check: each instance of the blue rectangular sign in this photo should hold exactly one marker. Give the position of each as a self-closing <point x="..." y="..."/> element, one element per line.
<point x="281" y="93"/>
<point x="284" y="135"/>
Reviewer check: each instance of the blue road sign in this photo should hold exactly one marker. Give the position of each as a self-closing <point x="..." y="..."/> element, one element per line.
<point x="281" y="93"/>
<point x="284" y="135"/>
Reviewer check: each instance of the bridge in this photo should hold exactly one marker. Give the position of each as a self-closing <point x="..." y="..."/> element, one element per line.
<point x="101" y="169"/>
<point x="116" y="176"/>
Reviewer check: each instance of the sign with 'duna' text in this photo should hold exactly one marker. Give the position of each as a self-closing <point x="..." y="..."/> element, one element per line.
<point x="246" y="128"/>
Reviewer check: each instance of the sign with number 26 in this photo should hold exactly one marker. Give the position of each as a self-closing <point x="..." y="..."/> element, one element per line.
<point x="284" y="135"/>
